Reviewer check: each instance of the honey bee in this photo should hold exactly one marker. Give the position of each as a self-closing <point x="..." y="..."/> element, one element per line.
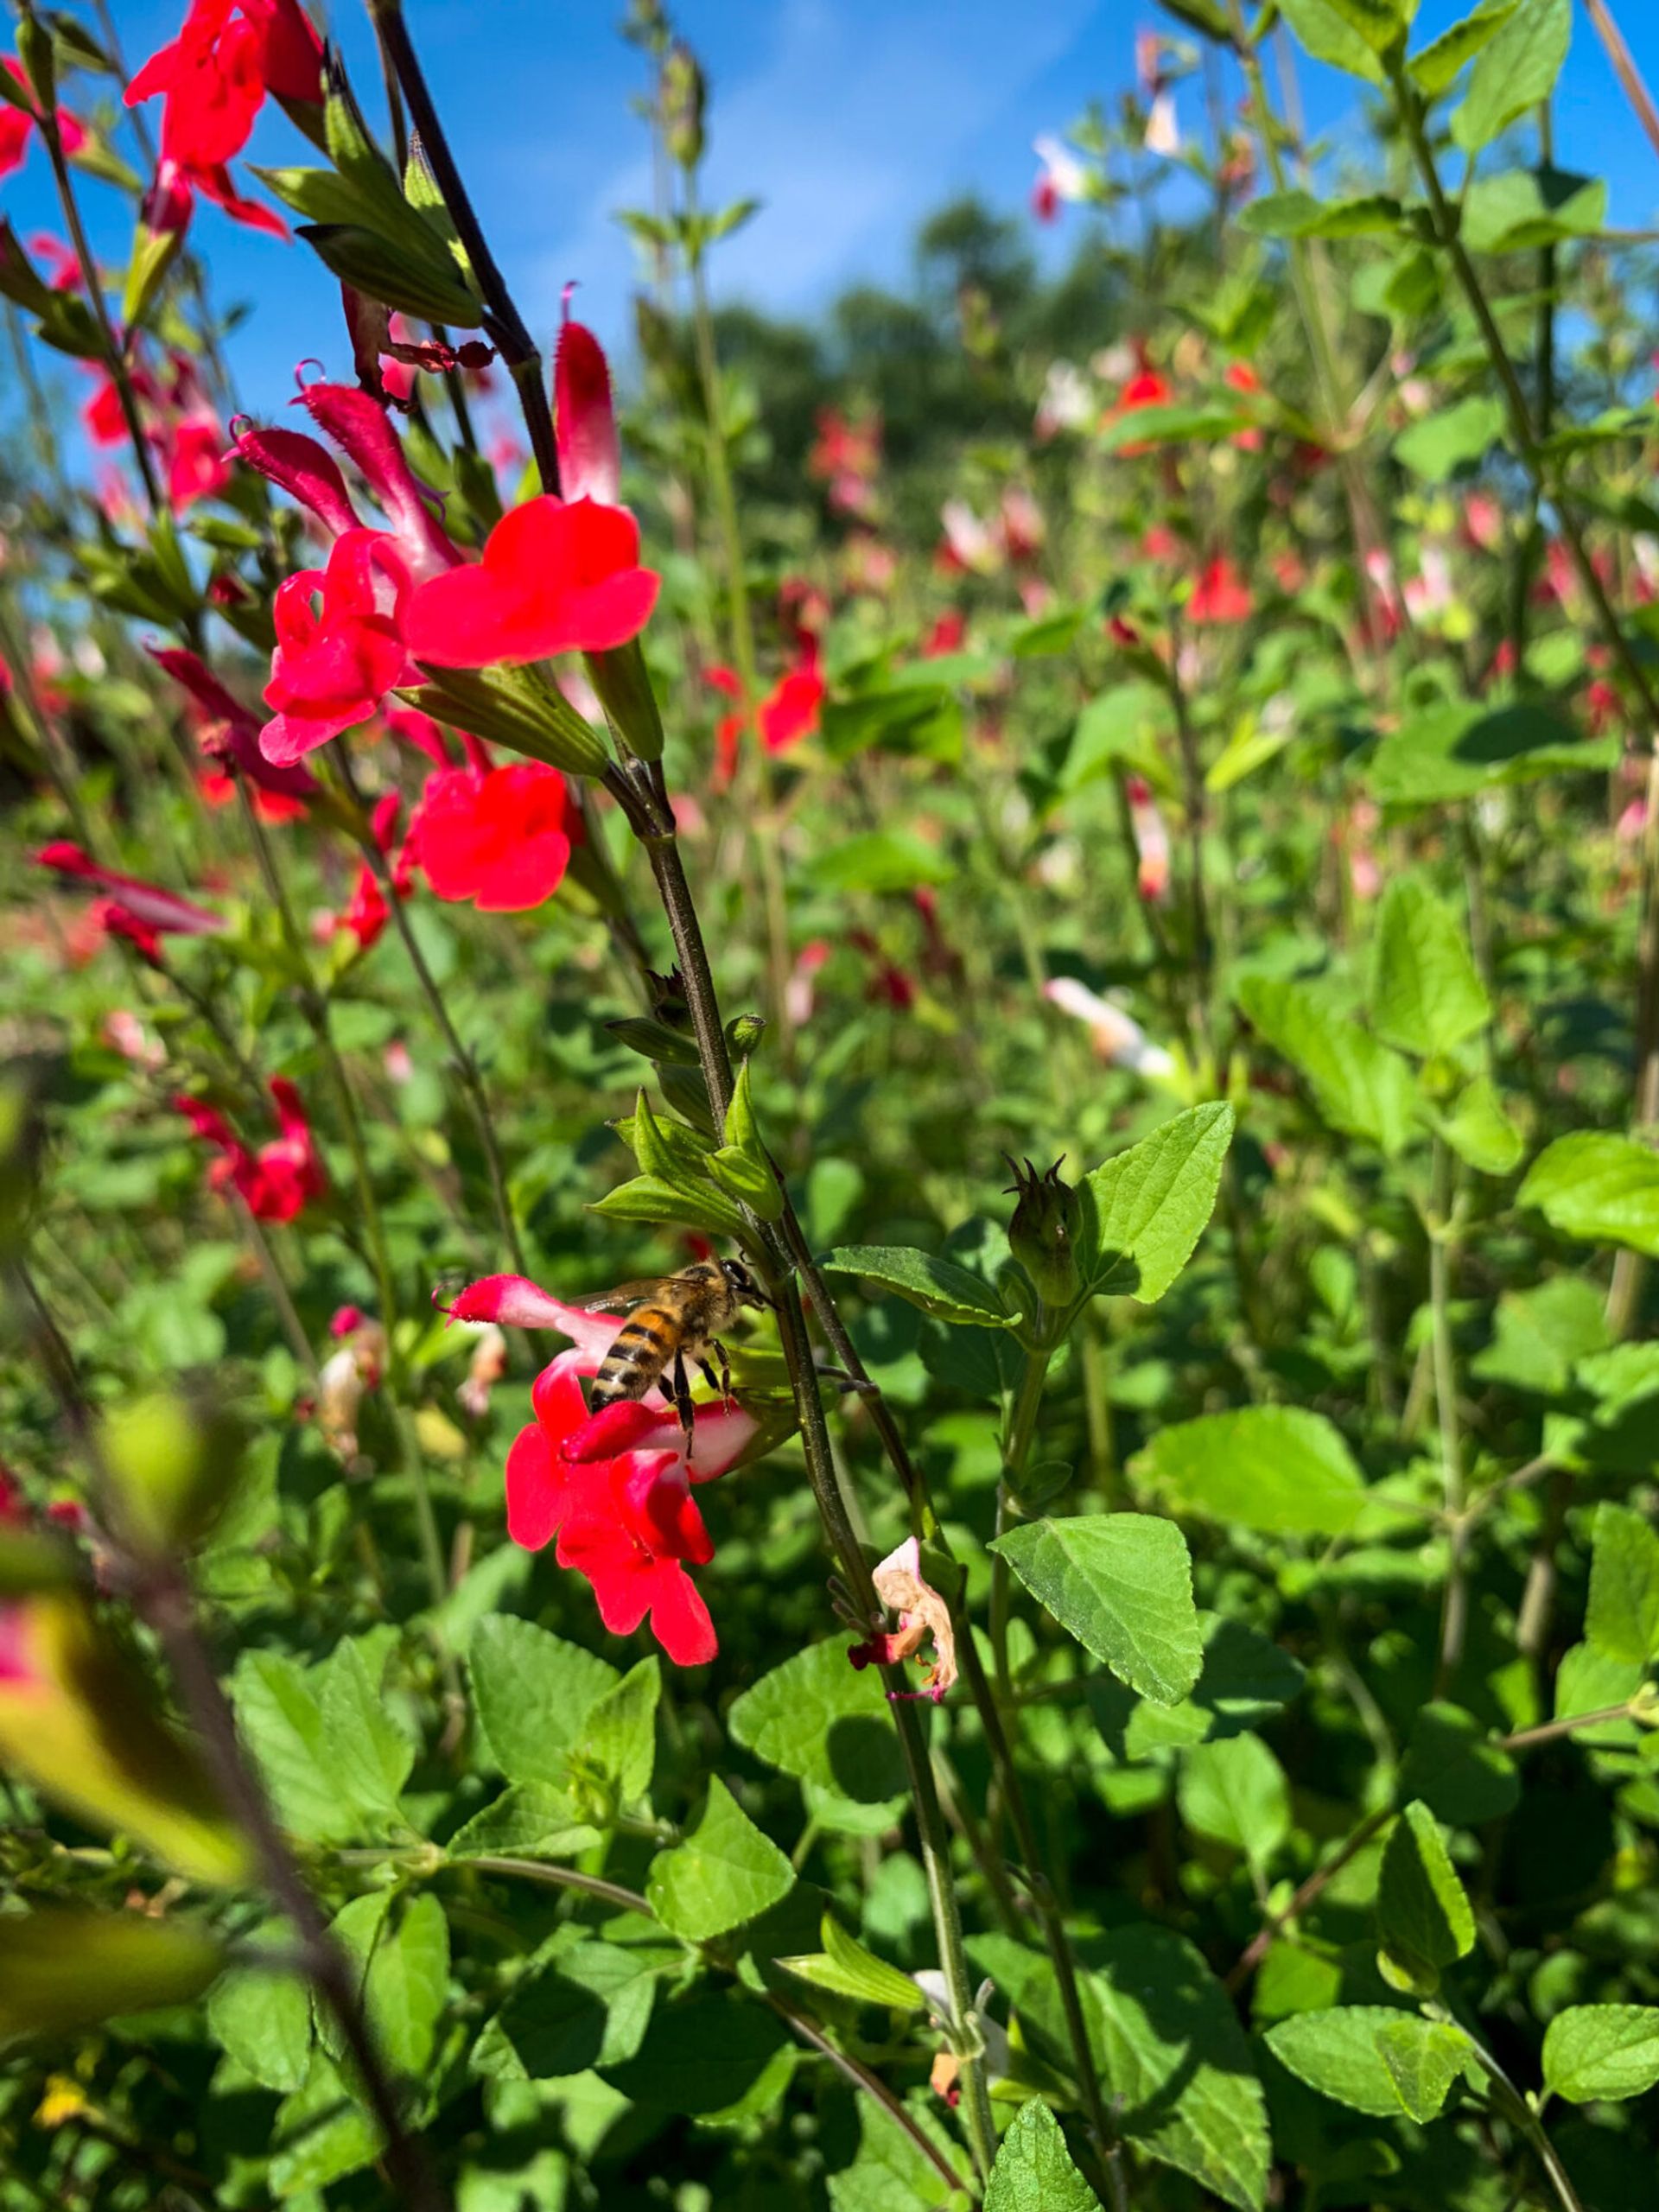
<point x="676" y="1319"/>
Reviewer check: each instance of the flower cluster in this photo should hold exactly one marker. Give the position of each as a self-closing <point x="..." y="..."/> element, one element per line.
<point x="614" y="1487"/>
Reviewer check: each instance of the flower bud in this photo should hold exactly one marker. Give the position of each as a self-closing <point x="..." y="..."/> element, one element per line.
<point x="1041" y="1234"/>
<point x="683" y="95"/>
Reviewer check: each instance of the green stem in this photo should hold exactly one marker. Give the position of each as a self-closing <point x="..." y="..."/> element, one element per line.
<point x="1442" y="1244"/>
<point x="466" y="1067"/>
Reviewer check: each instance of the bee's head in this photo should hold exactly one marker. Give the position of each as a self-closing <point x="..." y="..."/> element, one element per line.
<point x="742" y="1285"/>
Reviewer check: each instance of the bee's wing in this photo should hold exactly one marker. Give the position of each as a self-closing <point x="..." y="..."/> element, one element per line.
<point x="625" y="1294"/>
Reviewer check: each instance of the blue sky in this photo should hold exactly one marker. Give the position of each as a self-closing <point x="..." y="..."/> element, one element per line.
<point x="849" y="119"/>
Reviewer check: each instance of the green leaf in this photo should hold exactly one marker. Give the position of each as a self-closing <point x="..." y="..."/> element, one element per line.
<point x="1298" y="214"/>
<point x="938" y="1287"/>
<point x="1033" y="2170"/>
<point x="1460" y="1775"/>
<point x="1142" y="1211"/>
<point x="619" y="1737"/>
<point x="262" y="2016"/>
<point x="1590" y="1680"/>
<point x="742" y="1167"/>
<point x="1623" y="1618"/>
<point x="1234" y="1791"/>
<point x="533" y="1693"/>
<point x="1380" y="24"/>
<point x="1479" y="1131"/>
<point x="1454" y="751"/>
<point x="1337" y="2051"/>
<point x="1422" y="1912"/>
<point x="1524" y="209"/>
<point x="1279" y="1469"/>
<point x="407" y="1986"/>
<point x="1516" y="70"/>
<point x="1426" y="994"/>
<point x="1321" y="29"/>
<point x="880" y="860"/>
<point x="1423" y="2059"/>
<point x="366" y="1753"/>
<point x="724" y="1873"/>
<point x="824" y="1721"/>
<point x="63" y="1970"/>
<point x="528" y="1821"/>
<point x="589" y="2006"/>
<point x="1175" y="2063"/>
<point x="1121" y="1582"/>
<point x="1451" y="438"/>
<point x="1361" y="1088"/>
<point x="281" y="1722"/>
<point x="1439" y="63"/>
<point x="847" y="1968"/>
<point x="1185" y="422"/>
<point x="1540" y="1335"/>
<point x="1602" y="2053"/>
<point x="1601" y="1188"/>
<point x="649" y="1199"/>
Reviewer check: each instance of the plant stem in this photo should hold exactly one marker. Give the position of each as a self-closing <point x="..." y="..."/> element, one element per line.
<point x="1455" y="1616"/>
<point x="466" y="1067"/>
<point x="1263" y="1940"/>
<point x="1624" y="69"/>
<point x="502" y="319"/>
<point x="1550" y="1732"/>
<point x="163" y="1599"/>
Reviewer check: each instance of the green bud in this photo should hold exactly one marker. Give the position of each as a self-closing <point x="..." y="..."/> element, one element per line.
<point x="34" y="51"/>
<point x="1042" y="1233"/>
<point x="684" y="94"/>
<point x="623" y="683"/>
<point x="744" y="1032"/>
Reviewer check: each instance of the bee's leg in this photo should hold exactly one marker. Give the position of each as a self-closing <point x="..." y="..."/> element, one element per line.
<point x="725" y="1359"/>
<point x="709" y="1374"/>
<point x="683" y="1401"/>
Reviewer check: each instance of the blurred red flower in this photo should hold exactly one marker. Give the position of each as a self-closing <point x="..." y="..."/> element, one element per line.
<point x="501" y="837"/>
<point x="280" y="1180"/>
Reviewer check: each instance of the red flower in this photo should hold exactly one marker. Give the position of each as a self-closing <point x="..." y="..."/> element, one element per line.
<point x="945" y="636"/>
<point x="16" y="124"/>
<point x="790" y="710"/>
<point x="214" y="76"/>
<point x="590" y="462"/>
<point x="281" y="1179"/>
<point x="555" y="578"/>
<point x="336" y="660"/>
<point x="63" y="271"/>
<point x="1221" y="595"/>
<point x="502" y="837"/>
<point x="614" y="1487"/>
<point x="227" y="731"/>
<point x="141" y="913"/>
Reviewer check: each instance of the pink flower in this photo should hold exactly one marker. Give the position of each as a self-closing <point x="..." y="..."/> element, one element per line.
<point x="340" y="645"/>
<point x="501" y="838"/>
<point x="590" y="461"/>
<point x="1151" y="842"/>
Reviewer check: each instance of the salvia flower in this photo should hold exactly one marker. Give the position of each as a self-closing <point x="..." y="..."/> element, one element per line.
<point x="340" y="645"/>
<point x="1151" y="842"/>
<point x="555" y="577"/>
<point x="1119" y="1040"/>
<point x="613" y="1488"/>
<point x="499" y="837"/>
<point x="283" y="1178"/>
<point x="141" y="913"/>
<point x="590" y="460"/>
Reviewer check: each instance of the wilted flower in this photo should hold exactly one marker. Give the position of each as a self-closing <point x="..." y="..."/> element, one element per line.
<point x="922" y="1612"/>
<point x="1151" y="841"/>
<point x="484" y="1370"/>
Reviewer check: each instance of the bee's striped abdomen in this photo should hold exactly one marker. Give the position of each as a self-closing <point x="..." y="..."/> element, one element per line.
<point x="640" y="1351"/>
